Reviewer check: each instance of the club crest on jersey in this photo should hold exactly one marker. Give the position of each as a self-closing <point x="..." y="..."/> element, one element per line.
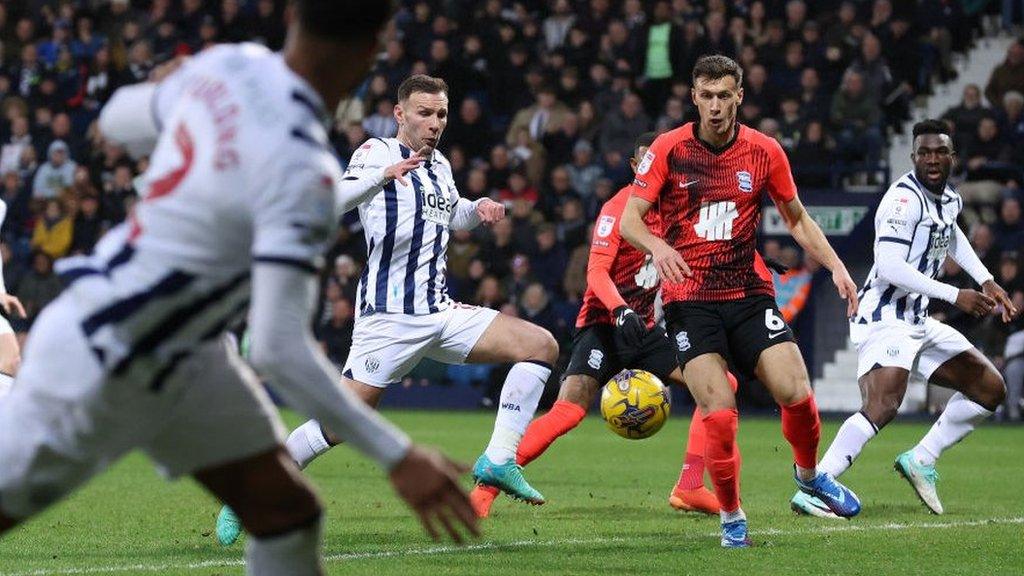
<point x="746" y="181"/>
<point x="596" y="357"/>
<point x="605" y="225"/>
<point x="646" y="163"/>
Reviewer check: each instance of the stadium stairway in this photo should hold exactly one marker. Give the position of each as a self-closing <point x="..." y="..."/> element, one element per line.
<point x="836" y="390"/>
<point x="974" y="68"/>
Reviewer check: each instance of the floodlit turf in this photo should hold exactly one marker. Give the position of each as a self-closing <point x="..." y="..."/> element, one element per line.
<point x="606" y="513"/>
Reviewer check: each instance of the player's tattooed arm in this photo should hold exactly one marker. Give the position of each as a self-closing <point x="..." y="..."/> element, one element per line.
<point x="808" y="234"/>
<point x="670" y="264"/>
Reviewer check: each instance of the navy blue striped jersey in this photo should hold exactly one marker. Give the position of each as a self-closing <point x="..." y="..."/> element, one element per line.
<point x="910" y="215"/>
<point x="407" y="229"/>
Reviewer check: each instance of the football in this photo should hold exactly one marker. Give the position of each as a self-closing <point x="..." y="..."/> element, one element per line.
<point x="635" y="404"/>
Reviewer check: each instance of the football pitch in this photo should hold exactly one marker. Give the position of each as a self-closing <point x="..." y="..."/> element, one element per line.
<point x="606" y="513"/>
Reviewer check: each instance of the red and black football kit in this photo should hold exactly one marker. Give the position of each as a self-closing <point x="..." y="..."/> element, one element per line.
<point x="710" y="202"/>
<point x="618" y="275"/>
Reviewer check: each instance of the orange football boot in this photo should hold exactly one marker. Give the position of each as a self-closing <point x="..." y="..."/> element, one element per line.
<point x="694" y="500"/>
<point x="481" y="498"/>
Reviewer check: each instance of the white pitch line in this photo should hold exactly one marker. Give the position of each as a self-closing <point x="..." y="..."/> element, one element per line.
<point x="439" y="550"/>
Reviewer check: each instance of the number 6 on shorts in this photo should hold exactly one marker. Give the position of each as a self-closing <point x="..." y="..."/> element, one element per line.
<point x="772" y="321"/>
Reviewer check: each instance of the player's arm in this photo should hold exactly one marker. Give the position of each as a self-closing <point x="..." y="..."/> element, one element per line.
<point x="603" y="249"/>
<point x="284" y="350"/>
<point x="651" y="176"/>
<point x="960" y="249"/>
<point x="291" y="233"/>
<point x="803" y="228"/>
<point x="369" y="172"/>
<point x="468" y="214"/>
<point x="896" y="219"/>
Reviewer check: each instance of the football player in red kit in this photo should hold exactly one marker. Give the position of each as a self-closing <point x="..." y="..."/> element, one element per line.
<point x="708" y="181"/>
<point x="616" y="329"/>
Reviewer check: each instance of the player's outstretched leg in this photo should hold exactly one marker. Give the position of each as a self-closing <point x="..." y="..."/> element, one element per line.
<point x="883" y="389"/>
<point x="689" y="494"/>
<point x="541" y="433"/>
<point x="975" y="401"/>
<point x="497" y="466"/>
<point x="534" y="350"/>
<point x="801" y="426"/>
<point x="782" y="370"/>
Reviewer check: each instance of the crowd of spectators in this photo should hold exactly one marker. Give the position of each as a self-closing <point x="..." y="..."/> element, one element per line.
<point x="547" y="98"/>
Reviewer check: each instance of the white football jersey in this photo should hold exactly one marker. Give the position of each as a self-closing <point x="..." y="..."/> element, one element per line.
<point x="910" y="215"/>
<point x="407" y="229"/>
<point x="242" y="172"/>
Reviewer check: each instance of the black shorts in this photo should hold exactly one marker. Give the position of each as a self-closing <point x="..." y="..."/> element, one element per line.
<point x="597" y="353"/>
<point x="740" y="329"/>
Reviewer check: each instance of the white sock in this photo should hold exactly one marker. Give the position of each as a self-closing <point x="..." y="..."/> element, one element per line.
<point x="519" y="398"/>
<point x="956" y="421"/>
<point x="849" y="441"/>
<point x="732" y="516"/>
<point x="6" y="383"/>
<point x="307" y="442"/>
<point x="296" y="553"/>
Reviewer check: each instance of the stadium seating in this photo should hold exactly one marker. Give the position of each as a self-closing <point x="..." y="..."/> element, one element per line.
<point x="546" y="99"/>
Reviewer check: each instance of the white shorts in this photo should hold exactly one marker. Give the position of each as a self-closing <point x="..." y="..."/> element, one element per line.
<point x="65" y="420"/>
<point x="920" y="349"/>
<point x="386" y="347"/>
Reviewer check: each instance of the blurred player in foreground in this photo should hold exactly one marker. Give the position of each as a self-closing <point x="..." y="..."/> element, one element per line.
<point x="241" y="201"/>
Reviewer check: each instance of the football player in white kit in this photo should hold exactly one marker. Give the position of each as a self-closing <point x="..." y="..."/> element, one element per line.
<point x="240" y="202"/>
<point x="10" y="352"/>
<point x="915" y="229"/>
<point x="404" y="311"/>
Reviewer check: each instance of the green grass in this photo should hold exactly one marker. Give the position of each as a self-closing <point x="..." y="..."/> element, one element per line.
<point x="606" y="513"/>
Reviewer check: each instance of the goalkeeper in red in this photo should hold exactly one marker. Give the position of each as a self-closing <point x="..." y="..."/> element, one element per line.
<point x="708" y="181"/>
<point x="615" y="330"/>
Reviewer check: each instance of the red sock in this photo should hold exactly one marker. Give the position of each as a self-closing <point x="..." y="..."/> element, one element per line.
<point x="802" y="429"/>
<point x="692" y="474"/>
<point x="722" y="457"/>
<point x="562" y="417"/>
